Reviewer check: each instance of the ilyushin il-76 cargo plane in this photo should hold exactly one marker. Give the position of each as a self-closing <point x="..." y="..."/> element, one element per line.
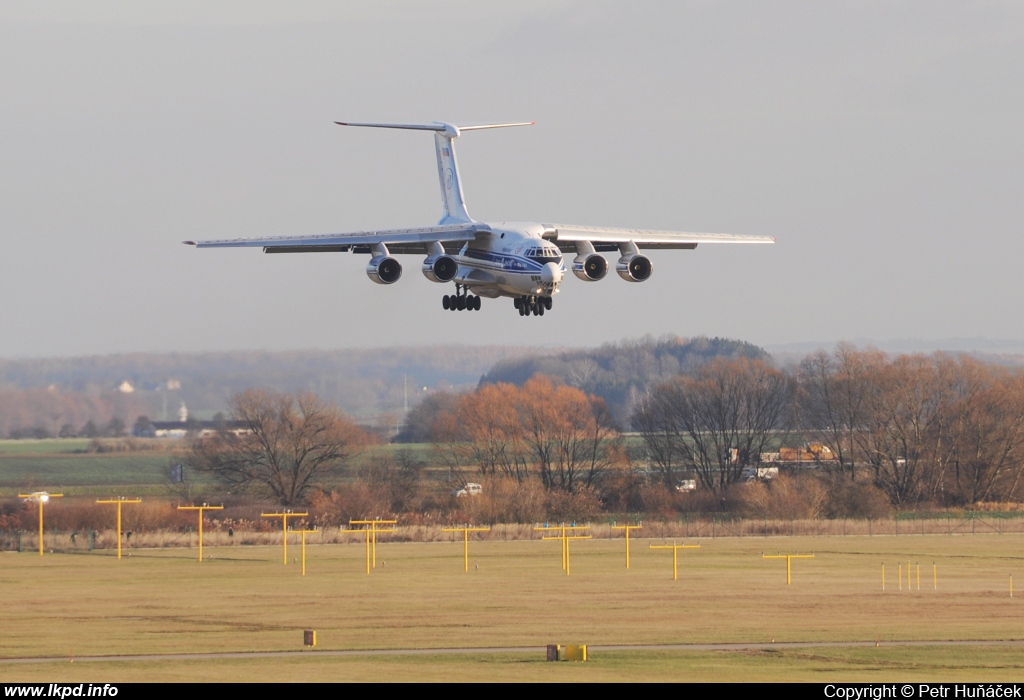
<point x="518" y="260"/>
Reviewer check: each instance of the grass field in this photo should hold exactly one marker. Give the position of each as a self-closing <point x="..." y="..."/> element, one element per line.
<point x="516" y="594"/>
<point x="57" y="465"/>
<point x="66" y="465"/>
<point x="162" y="602"/>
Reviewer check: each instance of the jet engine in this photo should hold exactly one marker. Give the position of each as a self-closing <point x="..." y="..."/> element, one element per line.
<point x="440" y="268"/>
<point x="590" y="267"/>
<point x="634" y="267"/>
<point x="383" y="269"/>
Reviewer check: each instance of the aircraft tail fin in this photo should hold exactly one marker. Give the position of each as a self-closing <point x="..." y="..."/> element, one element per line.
<point x="447" y="166"/>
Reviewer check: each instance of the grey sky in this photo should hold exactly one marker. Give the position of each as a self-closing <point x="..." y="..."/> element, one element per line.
<point x="879" y="141"/>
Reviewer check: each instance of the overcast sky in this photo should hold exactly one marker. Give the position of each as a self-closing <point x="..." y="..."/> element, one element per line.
<point x="880" y="142"/>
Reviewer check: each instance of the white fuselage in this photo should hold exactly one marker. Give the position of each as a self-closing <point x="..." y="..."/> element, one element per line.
<point x="511" y="261"/>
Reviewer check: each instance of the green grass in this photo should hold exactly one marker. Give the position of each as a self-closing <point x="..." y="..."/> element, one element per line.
<point x="65" y="466"/>
<point x="831" y="665"/>
<point x="515" y="594"/>
<point x="48" y="446"/>
<point x="56" y="465"/>
<point x="87" y="474"/>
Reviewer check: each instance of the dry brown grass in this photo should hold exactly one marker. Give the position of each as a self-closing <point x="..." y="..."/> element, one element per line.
<point x="232" y="532"/>
<point x="162" y="601"/>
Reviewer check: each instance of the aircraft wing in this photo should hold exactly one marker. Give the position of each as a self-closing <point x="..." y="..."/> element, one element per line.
<point x="399" y="240"/>
<point x="565" y="236"/>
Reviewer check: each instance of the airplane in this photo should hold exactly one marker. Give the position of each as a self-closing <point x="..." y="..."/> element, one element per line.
<point x="518" y="260"/>
<point x="36" y="497"/>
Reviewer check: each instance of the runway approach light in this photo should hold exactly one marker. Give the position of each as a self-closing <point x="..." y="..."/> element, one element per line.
<point x="42" y="498"/>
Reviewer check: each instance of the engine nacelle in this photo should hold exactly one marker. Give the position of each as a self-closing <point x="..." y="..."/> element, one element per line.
<point x="590" y="267"/>
<point x="440" y="268"/>
<point x="383" y="269"/>
<point x="634" y="267"/>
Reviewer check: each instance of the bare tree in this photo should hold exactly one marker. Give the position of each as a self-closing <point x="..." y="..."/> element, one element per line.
<point x="491" y="431"/>
<point x="931" y="428"/>
<point x="837" y="388"/>
<point x="717" y="422"/>
<point x="558" y="432"/>
<point x="652" y="418"/>
<point x="987" y="461"/>
<point x="419" y="421"/>
<point x="290" y="444"/>
<point x="571" y="436"/>
<point x="395" y="479"/>
<point x="907" y="438"/>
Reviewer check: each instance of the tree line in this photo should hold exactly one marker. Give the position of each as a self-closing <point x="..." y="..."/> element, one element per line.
<point x="902" y="431"/>
<point x="939" y="429"/>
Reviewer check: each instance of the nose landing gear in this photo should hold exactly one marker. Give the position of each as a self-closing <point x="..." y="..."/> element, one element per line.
<point x="534" y="305"/>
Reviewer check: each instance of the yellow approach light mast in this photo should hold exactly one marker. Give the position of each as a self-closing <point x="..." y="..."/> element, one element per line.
<point x="201" y="509"/>
<point x="627" y="528"/>
<point x="465" y="540"/>
<point x="119" y="501"/>
<point x="370" y="529"/>
<point x="42" y="498"/>
<point x="566" y="533"/>
<point x="284" y="522"/>
<point x="675" y="555"/>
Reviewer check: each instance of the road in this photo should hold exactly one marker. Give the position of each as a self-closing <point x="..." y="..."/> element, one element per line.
<point x="592" y="649"/>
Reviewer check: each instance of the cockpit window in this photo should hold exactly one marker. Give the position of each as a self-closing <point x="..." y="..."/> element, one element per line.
<point x="545" y="255"/>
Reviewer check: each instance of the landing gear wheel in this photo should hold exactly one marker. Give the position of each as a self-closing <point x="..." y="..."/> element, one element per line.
<point x="462" y="303"/>
<point x="547" y="303"/>
<point x="540" y="308"/>
<point x="444" y="302"/>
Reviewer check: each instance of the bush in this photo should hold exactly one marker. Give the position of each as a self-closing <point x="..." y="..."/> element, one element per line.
<point x="853" y="499"/>
<point x="505" y="500"/>
<point x="583" y="505"/>
<point x="783" y="498"/>
<point x="356" y="501"/>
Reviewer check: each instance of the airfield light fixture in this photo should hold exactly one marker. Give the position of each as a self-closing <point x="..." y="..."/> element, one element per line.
<point x="119" y="501"/>
<point x="284" y="523"/>
<point x="566" y="533"/>
<point x="370" y="529"/>
<point x="42" y="498"/>
<point x="675" y="555"/>
<point x="465" y="540"/>
<point x="627" y="528"/>
<point x="201" y="509"/>
<point x="304" y="533"/>
<point x="789" y="565"/>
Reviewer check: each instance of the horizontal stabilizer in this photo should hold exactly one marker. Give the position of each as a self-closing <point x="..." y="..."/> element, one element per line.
<point x="450" y="129"/>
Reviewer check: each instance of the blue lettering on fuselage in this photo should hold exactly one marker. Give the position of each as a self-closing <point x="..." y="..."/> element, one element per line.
<point x="506" y="261"/>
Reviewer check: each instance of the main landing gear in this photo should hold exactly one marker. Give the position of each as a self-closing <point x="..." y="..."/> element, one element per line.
<point x="462" y="300"/>
<point x="532" y="305"/>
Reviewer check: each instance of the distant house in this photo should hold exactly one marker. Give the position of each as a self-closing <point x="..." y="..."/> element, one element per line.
<point x="196" y="428"/>
<point x="809" y="455"/>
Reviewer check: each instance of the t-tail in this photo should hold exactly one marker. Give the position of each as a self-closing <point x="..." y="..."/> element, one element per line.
<point x="447" y="167"/>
